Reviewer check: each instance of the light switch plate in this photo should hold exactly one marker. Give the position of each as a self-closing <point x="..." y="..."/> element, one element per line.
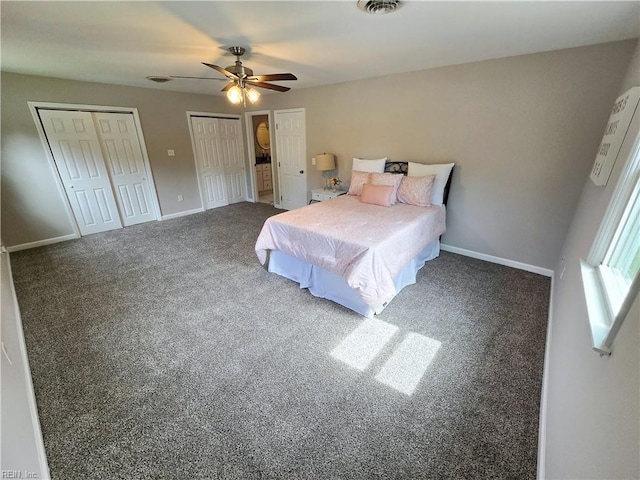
<point x="171" y="153"/>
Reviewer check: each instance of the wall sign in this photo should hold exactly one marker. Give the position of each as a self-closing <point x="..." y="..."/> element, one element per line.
<point x="614" y="135"/>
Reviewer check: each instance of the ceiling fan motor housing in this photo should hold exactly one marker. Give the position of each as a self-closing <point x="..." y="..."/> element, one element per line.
<point x="239" y="69"/>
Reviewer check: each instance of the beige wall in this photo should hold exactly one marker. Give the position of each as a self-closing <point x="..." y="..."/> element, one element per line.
<point x="32" y="207"/>
<point x="592" y="421"/>
<point x="523" y="132"/>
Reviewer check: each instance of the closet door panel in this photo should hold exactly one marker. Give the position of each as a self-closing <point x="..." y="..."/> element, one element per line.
<point x="123" y="154"/>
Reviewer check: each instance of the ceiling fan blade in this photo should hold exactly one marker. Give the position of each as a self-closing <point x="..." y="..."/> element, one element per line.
<point x="226" y="73"/>
<point x="269" y="86"/>
<point x="228" y="86"/>
<point x="272" y="77"/>
<point x="199" y="78"/>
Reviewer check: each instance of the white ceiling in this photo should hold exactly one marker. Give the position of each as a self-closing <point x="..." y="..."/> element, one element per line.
<point x="320" y="42"/>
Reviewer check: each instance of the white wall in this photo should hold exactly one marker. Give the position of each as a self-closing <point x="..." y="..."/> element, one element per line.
<point x="591" y="423"/>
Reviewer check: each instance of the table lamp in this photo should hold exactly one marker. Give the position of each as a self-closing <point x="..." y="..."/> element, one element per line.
<point x="325" y="162"/>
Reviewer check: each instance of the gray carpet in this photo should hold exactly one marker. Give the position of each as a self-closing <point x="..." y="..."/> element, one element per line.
<point x="164" y="350"/>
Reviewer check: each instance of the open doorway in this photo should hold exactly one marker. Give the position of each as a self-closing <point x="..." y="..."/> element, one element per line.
<point x="260" y="150"/>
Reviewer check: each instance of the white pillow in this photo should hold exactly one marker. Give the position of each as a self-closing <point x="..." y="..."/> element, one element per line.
<point x="364" y="165"/>
<point x="441" y="171"/>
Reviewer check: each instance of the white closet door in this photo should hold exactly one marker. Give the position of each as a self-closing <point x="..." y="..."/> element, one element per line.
<point x="220" y="160"/>
<point x="210" y="168"/>
<point x="291" y="148"/>
<point x="123" y="155"/>
<point x="233" y="159"/>
<point x="77" y="155"/>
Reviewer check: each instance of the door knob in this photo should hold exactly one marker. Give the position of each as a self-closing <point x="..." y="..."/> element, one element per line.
<point x="301" y="171"/>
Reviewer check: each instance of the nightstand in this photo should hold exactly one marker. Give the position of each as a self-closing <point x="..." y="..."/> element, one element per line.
<point x="322" y="194"/>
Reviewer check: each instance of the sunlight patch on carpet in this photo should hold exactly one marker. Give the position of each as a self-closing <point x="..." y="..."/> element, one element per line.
<point x="408" y="363"/>
<point x="362" y="345"/>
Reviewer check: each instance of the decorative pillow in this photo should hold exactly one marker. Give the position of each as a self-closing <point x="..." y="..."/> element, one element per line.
<point x="358" y="179"/>
<point x="387" y="179"/>
<point x="416" y="190"/>
<point x="441" y="171"/>
<point x="396" y="167"/>
<point x="377" y="194"/>
<point x="364" y="165"/>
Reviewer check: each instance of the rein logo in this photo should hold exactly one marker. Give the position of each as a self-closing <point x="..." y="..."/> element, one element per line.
<point x="18" y="474"/>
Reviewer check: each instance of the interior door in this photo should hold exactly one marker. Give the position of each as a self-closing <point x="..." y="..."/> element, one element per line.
<point x="76" y="152"/>
<point x="123" y="153"/>
<point x="232" y="158"/>
<point x="291" y="148"/>
<point x="209" y="161"/>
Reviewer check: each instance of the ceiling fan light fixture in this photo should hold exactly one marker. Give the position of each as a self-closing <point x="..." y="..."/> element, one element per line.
<point x="378" y="7"/>
<point x="253" y="95"/>
<point x="234" y="94"/>
<point x="241" y="80"/>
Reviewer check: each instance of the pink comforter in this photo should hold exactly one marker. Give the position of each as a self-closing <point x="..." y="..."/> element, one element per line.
<point x="367" y="245"/>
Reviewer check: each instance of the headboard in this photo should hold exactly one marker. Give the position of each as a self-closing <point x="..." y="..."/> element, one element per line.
<point x="403" y="168"/>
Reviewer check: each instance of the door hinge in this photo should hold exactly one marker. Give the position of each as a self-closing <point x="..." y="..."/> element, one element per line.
<point x="277" y="126"/>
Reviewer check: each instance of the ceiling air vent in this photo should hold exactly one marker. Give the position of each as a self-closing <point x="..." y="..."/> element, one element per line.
<point x="159" y="79"/>
<point x="378" y="7"/>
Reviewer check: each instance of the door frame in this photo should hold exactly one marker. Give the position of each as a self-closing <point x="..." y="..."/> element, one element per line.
<point x="35" y="106"/>
<point x="251" y="151"/>
<point x="191" y="114"/>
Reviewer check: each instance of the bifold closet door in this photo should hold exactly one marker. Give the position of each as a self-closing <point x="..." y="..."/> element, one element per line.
<point x="220" y="160"/>
<point x="233" y="159"/>
<point x="76" y="152"/>
<point x="123" y="155"/>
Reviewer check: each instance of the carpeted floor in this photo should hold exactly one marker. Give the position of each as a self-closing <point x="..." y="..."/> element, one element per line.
<point x="164" y="350"/>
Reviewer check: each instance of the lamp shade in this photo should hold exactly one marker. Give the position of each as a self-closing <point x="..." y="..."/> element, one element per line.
<point x="325" y="161"/>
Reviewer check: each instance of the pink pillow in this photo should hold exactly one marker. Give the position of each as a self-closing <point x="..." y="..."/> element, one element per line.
<point x="377" y="194"/>
<point x="416" y="190"/>
<point x="392" y="179"/>
<point x="358" y="179"/>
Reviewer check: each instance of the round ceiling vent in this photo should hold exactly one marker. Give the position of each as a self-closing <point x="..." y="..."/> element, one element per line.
<point x="378" y="7"/>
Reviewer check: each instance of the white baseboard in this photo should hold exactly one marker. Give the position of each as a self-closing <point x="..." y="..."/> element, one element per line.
<point x="42" y="243"/>
<point x="182" y="214"/>
<point x="542" y="425"/>
<point x="500" y="261"/>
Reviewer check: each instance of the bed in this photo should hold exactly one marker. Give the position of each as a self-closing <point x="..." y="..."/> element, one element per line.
<point x="354" y="252"/>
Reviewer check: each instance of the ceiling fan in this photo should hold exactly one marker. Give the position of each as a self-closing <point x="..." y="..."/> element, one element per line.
<point x="241" y="80"/>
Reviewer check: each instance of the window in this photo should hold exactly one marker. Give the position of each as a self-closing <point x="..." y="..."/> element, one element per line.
<point x="611" y="272"/>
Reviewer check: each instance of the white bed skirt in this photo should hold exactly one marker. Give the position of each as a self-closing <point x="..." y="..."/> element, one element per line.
<point x="325" y="284"/>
